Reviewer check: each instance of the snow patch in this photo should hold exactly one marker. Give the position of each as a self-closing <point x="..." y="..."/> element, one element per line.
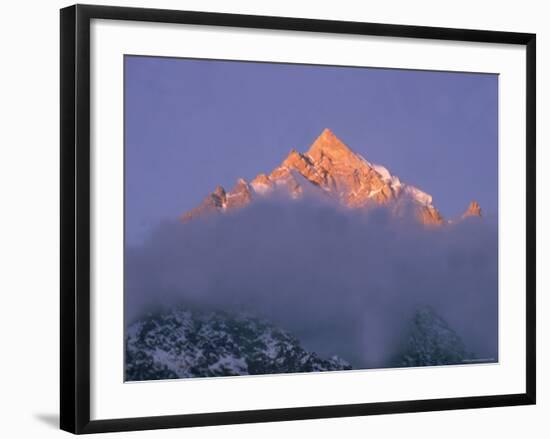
<point x="388" y="178"/>
<point x="383" y="172"/>
<point x="260" y="188"/>
<point x="418" y="195"/>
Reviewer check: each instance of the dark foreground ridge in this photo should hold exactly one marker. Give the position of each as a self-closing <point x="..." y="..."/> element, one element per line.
<point x="186" y="344"/>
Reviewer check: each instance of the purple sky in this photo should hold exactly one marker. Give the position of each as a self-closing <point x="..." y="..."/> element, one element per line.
<point x="191" y="125"/>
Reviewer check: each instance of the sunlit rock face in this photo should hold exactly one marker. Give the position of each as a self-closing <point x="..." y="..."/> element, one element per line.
<point x="331" y="169"/>
<point x="473" y="210"/>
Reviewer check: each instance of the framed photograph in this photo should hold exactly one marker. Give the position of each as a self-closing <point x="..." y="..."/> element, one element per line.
<point x="268" y="218"/>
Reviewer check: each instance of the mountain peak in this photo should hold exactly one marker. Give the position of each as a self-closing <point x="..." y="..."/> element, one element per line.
<point x="334" y="170"/>
<point x="327" y="144"/>
<point x="292" y="157"/>
<point x="474" y="209"/>
<point x="327" y="132"/>
<point x="219" y="191"/>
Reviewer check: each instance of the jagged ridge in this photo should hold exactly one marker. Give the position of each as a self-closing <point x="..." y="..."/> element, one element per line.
<point x="333" y="169"/>
<point x="185" y="344"/>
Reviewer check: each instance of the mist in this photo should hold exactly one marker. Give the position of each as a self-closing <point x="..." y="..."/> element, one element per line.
<point x="344" y="282"/>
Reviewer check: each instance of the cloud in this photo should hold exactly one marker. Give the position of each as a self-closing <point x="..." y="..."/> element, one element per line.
<point x="344" y="282"/>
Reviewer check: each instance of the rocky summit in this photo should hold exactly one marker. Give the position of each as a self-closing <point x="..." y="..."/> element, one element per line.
<point x="473" y="210"/>
<point x="330" y="168"/>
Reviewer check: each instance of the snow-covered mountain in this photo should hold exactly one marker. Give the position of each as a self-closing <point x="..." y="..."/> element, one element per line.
<point x="329" y="168"/>
<point x="185" y="344"/>
<point x="431" y="342"/>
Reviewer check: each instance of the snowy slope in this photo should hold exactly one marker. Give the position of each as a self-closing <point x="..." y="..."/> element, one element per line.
<point x="183" y="344"/>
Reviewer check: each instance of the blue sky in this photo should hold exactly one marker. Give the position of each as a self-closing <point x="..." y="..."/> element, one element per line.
<point x="193" y="124"/>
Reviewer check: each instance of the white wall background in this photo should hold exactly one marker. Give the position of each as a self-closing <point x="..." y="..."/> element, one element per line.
<point x="29" y="238"/>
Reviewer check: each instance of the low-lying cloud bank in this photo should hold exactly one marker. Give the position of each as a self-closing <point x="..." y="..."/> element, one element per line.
<point x="344" y="282"/>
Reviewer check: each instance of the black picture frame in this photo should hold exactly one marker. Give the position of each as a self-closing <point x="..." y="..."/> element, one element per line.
<point x="75" y="217"/>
